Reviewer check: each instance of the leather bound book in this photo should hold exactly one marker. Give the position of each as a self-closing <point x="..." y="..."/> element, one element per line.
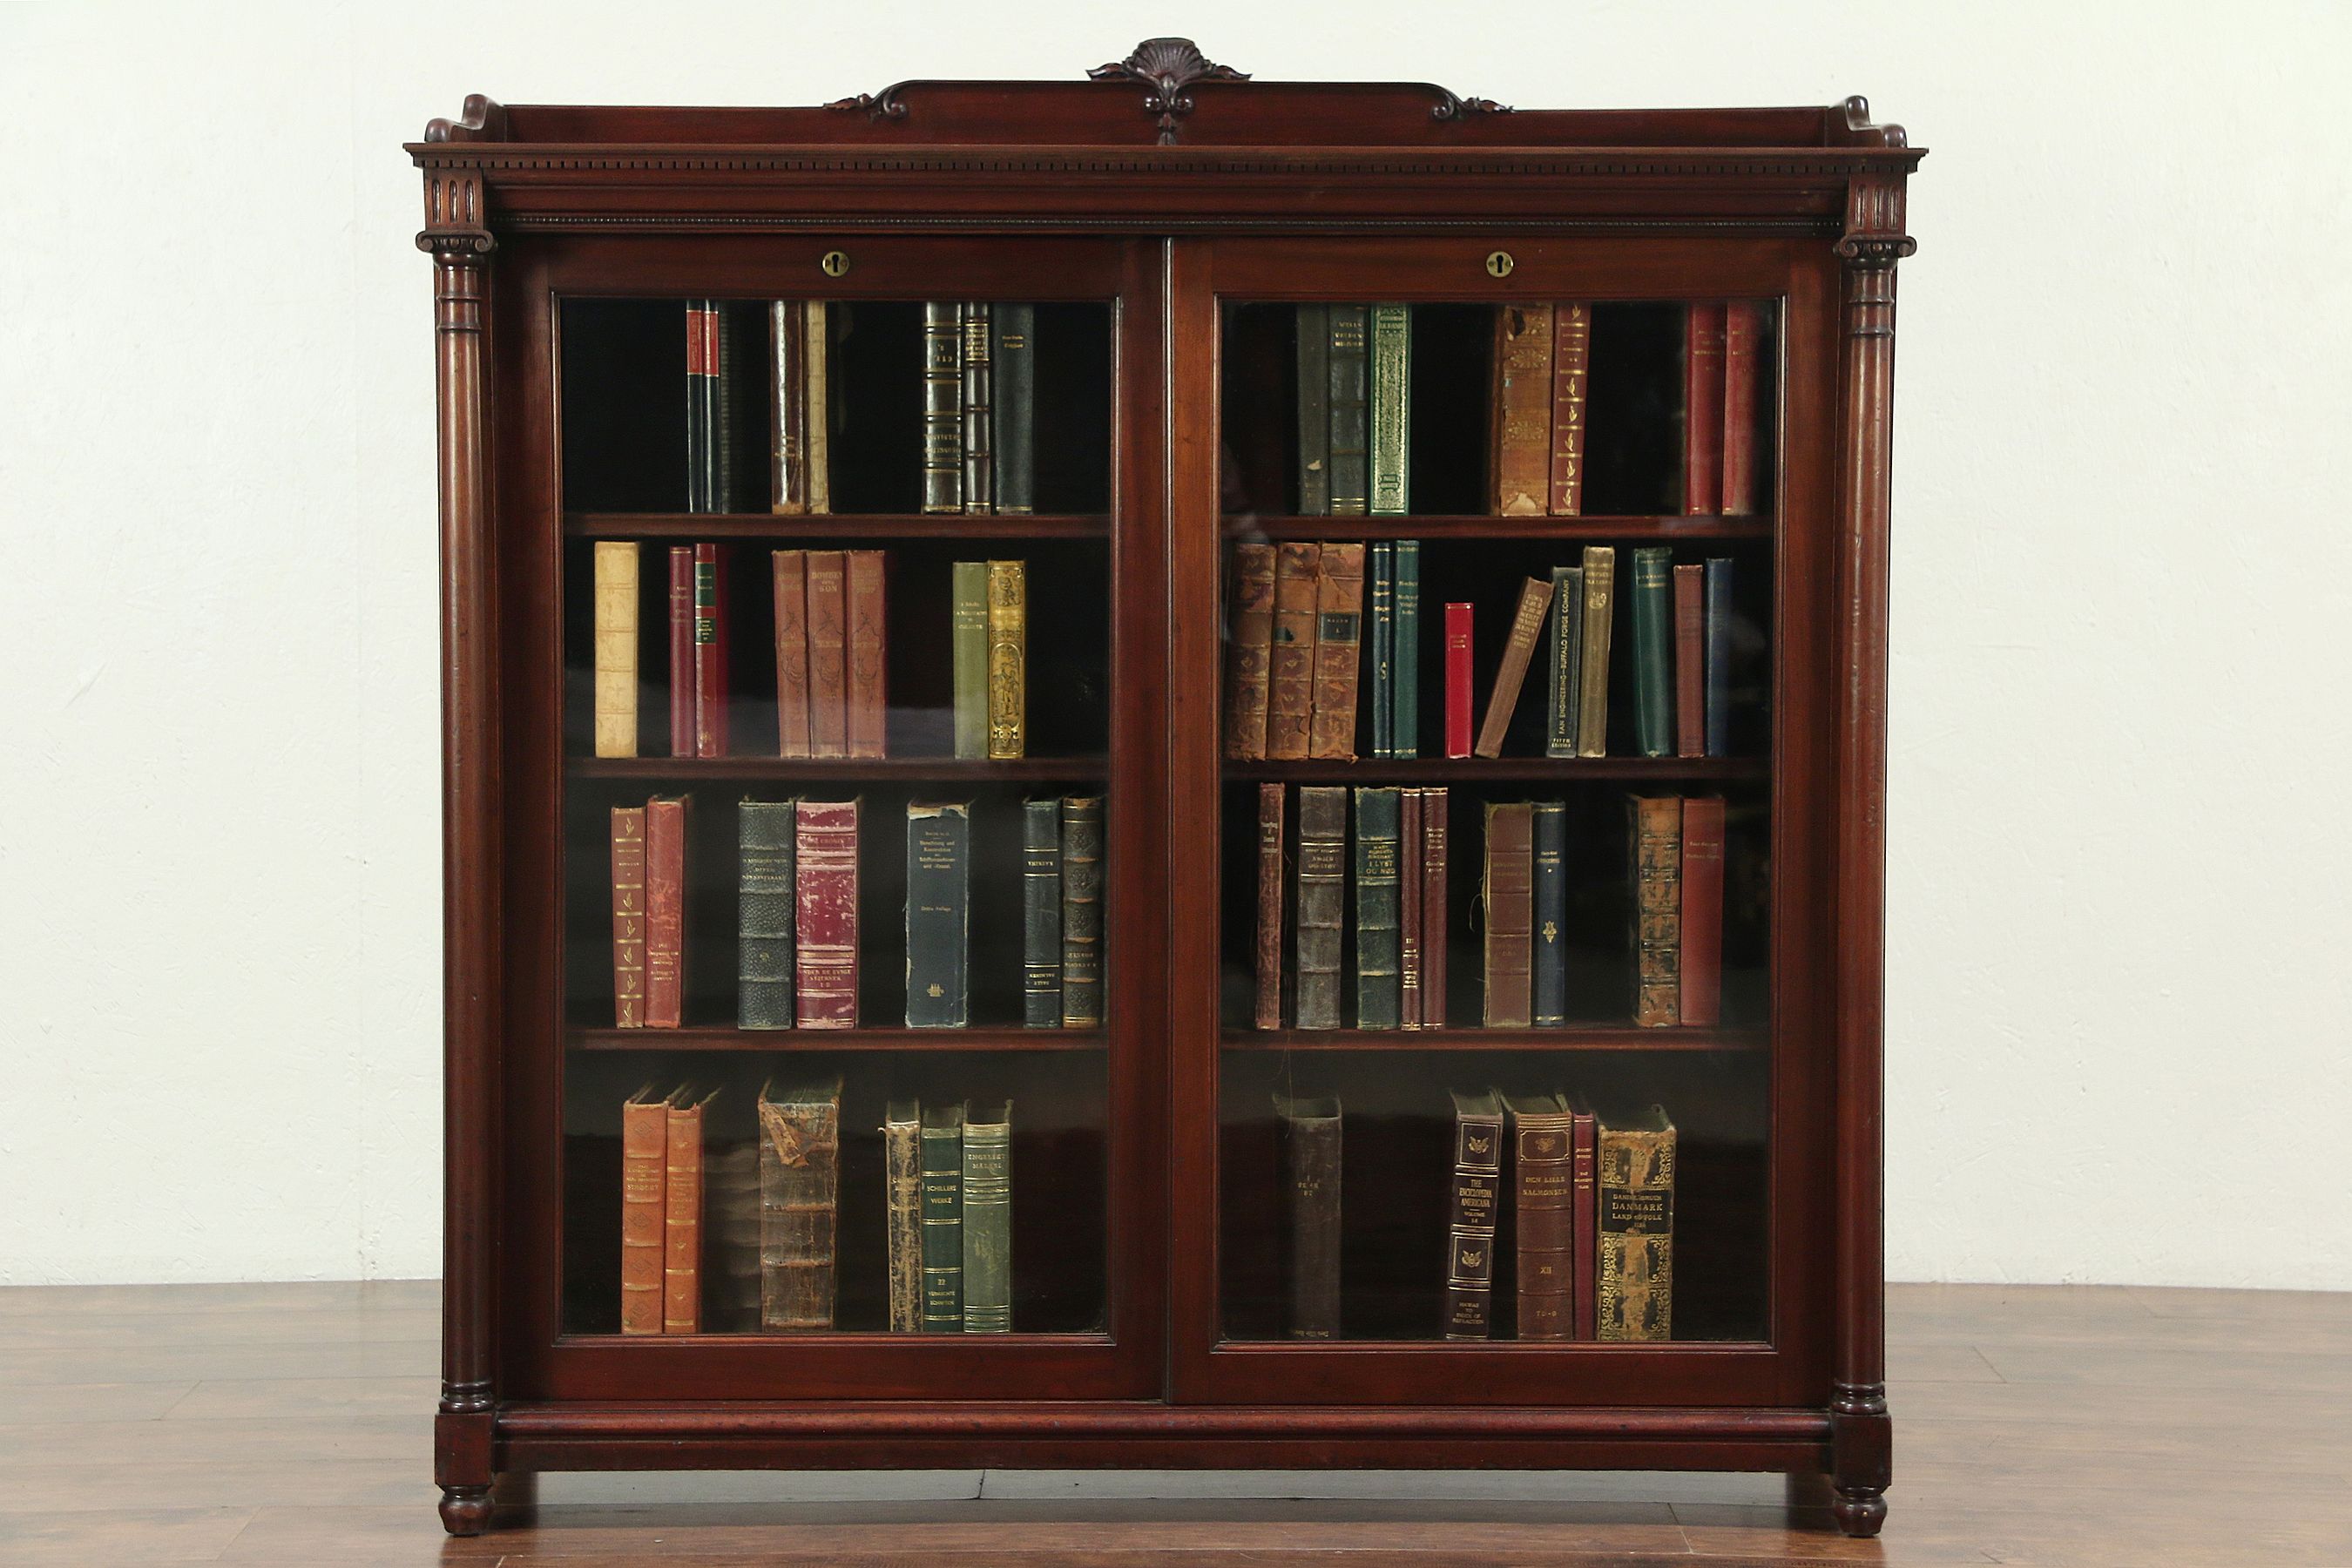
<point x="1249" y="655"/>
<point x="1699" y="973"/>
<point x="665" y="913"/>
<point x="1657" y="833"/>
<point x="1584" y="1188"/>
<point x="1339" y="622"/>
<point x="1322" y="902"/>
<point x="1390" y="478"/>
<point x="1269" y="905"/>
<point x="1008" y="658"/>
<point x="681" y="650"/>
<point x="1041" y="914"/>
<point x="968" y="639"/>
<point x="1522" y="404"/>
<point x="1381" y="652"/>
<point x="939" y="897"/>
<point x="1636" y="1284"/>
<point x="942" y="407"/>
<point x="1527" y="628"/>
<point x="720" y="358"/>
<point x="1564" y="695"/>
<point x="1405" y="733"/>
<point x="698" y="409"/>
<point x="942" y="1151"/>
<point x="1742" y="324"/>
<point x="788" y="409"/>
<point x="730" y="1240"/>
<point x="828" y="653"/>
<point x="902" y="1213"/>
<point x="709" y="654"/>
<point x="1309" y="1134"/>
<point x="824" y="928"/>
<point x="1082" y="929"/>
<point x="617" y="647"/>
<point x="1380" y="915"/>
<point x="867" y="604"/>
<point x="682" y="1215"/>
<point x="978" y="410"/>
<point x="629" y="917"/>
<point x="1543" y="1213"/>
<point x="644" y="1159"/>
<point x="988" y="1218"/>
<point x="1718" y="656"/>
<point x="1409" y="890"/>
<point x="1600" y="607"/>
<point x="1703" y="409"/>
<point x="1457" y="680"/>
<point x="1350" y="412"/>
<point x="800" y="1199"/>
<point x="1690" y="661"/>
<point x="1508" y="894"/>
<point x="1571" y="348"/>
<point x="1654" y="680"/>
<point x="1015" y="400"/>
<point x="790" y="570"/>
<point x="1314" y="331"/>
<point x="1290" y="671"/>
<point x="1471" y="1215"/>
<point x="817" y="388"/>
<point x="1434" y="927"/>
<point x="1548" y="943"/>
<point x="766" y="892"/>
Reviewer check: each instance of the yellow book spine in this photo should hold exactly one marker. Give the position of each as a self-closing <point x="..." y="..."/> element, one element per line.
<point x="1008" y="676"/>
<point x="617" y="649"/>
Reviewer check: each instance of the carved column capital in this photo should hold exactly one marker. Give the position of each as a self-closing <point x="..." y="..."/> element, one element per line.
<point x="1874" y="237"/>
<point x="457" y="229"/>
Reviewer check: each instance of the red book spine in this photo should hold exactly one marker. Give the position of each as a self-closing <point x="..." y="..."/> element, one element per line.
<point x="1270" y="797"/>
<point x="1742" y="325"/>
<point x="790" y="572"/>
<point x="1690" y="661"/>
<point x="825" y="928"/>
<point x="1457" y="681"/>
<point x="709" y="655"/>
<point x="1701" y="999"/>
<point x="1585" y="1183"/>
<point x="1409" y="932"/>
<point x="681" y="650"/>
<point x="865" y="701"/>
<point x="1703" y="410"/>
<point x="828" y="654"/>
<point x="1432" y="906"/>
<point x="665" y="913"/>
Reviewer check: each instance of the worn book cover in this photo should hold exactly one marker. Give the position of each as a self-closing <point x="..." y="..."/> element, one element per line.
<point x="800" y="1184"/>
<point x="766" y="892"/>
<point x="1703" y="409"/>
<point x="788" y="569"/>
<point x="1391" y="479"/>
<point x="710" y="653"/>
<point x="617" y="647"/>
<point x="1656" y="837"/>
<point x="1041" y="913"/>
<point x="788" y="407"/>
<point x="824" y="925"/>
<point x="942" y="1152"/>
<point x="1290" y="703"/>
<point x="1699" y="968"/>
<point x="869" y="601"/>
<point x="1268" y="1014"/>
<point x="902" y="1202"/>
<point x="979" y="331"/>
<point x="1507" y="897"/>
<point x="1249" y="652"/>
<point x="665" y="911"/>
<point x="1322" y="902"/>
<point x="682" y="1212"/>
<point x="1380" y="914"/>
<point x="988" y="1218"/>
<point x="1412" y="912"/>
<point x="1338" y="621"/>
<point x="1434" y="909"/>
<point x="1308" y="1130"/>
<point x="629" y="917"/>
<point x="1404" y="734"/>
<point x="1008" y="659"/>
<point x="1380" y="646"/>
<point x="942" y="407"/>
<point x="1654" y="701"/>
<point x="1636" y="1248"/>
<point x="1313" y="378"/>
<point x="1548" y="943"/>
<point x="1471" y="1215"/>
<point x="1540" y="1138"/>
<point x="1592" y="664"/>
<point x="828" y="653"/>
<point x="1565" y="693"/>
<point x="681" y="650"/>
<point x="1690" y="661"/>
<point x="939" y="877"/>
<point x="1522" y="405"/>
<point x="1016" y="402"/>
<point x="645" y="1165"/>
<point x="1742" y="329"/>
<point x="968" y="649"/>
<point x="1350" y="410"/>
<point x="1082" y="929"/>
<point x="1526" y="627"/>
<point x="1571" y="346"/>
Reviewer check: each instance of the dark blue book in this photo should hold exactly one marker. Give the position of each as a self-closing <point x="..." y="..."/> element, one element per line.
<point x="1550" y="960"/>
<point x="939" y="877"/>
<point x="1718" y="656"/>
<point x="1383" y="647"/>
<point x="1405" y="685"/>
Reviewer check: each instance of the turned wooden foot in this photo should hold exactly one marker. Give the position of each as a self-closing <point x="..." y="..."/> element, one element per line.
<point x="1859" y="1511"/>
<point x="464" y="1510"/>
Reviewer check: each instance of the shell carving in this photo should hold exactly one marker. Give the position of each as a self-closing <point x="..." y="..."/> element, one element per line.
<point x="1168" y="67"/>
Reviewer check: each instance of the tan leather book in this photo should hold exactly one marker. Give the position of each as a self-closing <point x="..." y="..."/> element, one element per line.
<point x="816" y="436"/>
<point x="1008" y="658"/>
<point x="682" y="1214"/>
<point x="790" y="572"/>
<point x="665" y="911"/>
<point x="902" y="1199"/>
<point x="1543" y="1213"/>
<point x="1592" y="666"/>
<point x="1338" y="634"/>
<point x="1508" y="894"/>
<point x="799" y="1174"/>
<point x="1657" y="845"/>
<point x="1526" y="629"/>
<point x="1636" y="1226"/>
<point x="1290" y="670"/>
<point x="868" y="603"/>
<point x="1571" y="347"/>
<point x="629" y="917"/>
<point x="1523" y="413"/>
<point x="645" y="1156"/>
<point x="617" y="647"/>
<point x="828" y="653"/>
<point x="1249" y="652"/>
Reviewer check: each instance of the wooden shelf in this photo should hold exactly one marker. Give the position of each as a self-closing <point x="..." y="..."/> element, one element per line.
<point x="843" y="769"/>
<point x="1262" y="525"/>
<point x="1571" y="1037"/>
<point x="753" y="525"/>
<point x="1463" y="770"/>
<point x="985" y="1039"/>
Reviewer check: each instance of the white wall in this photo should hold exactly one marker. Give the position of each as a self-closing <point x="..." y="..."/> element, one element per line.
<point x="2118" y="1002"/>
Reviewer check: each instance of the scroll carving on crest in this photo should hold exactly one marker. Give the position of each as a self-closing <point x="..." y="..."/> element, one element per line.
<point x="1168" y="67"/>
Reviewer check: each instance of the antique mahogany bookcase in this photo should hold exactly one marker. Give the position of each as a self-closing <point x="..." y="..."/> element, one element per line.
<point x="1165" y="219"/>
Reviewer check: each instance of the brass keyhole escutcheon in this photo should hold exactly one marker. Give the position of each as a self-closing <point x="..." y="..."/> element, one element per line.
<point x="1500" y="264"/>
<point x="834" y="263"/>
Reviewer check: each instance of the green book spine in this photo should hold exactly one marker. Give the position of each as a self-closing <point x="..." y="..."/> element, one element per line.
<point x="988" y="1219"/>
<point x="1380" y="925"/>
<point x="1654" y="670"/>
<point x="1082" y="933"/>
<point x="942" y="1219"/>
<point x="1404" y="688"/>
<point x="764" y="842"/>
<point x="1314" y="410"/>
<point x="1015" y="414"/>
<point x="939" y="876"/>
<point x="968" y="634"/>
<point x="1384" y="648"/>
<point x="1350" y="412"/>
<point x="1391" y="442"/>
<point x="1567" y="691"/>
<point x="1041" y="914"/>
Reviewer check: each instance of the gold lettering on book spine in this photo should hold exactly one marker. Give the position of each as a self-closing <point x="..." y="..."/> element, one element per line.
<point x="1008" y="618"/>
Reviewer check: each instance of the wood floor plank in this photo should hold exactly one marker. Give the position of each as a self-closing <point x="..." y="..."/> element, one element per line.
<point x="140" y="1535"/>
<point x="63" y="1402"/>
<point x="315" y="1397"/>
<point x="144" y="1361"/>
<point x="404" y="1438"/>
<point x="289" y="1296"/>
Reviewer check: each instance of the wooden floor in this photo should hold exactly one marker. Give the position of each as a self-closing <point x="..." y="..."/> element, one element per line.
<point x="2044" y="1426"/>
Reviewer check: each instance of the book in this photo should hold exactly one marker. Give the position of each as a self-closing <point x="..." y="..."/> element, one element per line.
<point x="1041" y="914"/>
<point x="988" y="1218"/>
<point x="1270" y="800"/>
<point x="1548" y="945"/>
<point x="1380" y="915"/>
<point x="1742" y="327"/>
<point x="1008" y="666"/>
<point x="968" y="649"/>
<point x="1389" y="477"/>
<point x="1434" y="926"/>
<point x="721" y="449"/>
<point x="1543" y="1213"/>
<point x="682" y="1213"/>
<point x="665" y="911"/>
<point x="800" y="1188"/>
<point x="942" y="407"/>
<point x="902" y="1213"/>
<point x="1322" y="902"/>
<point x="1526" y="627"/>
<point x="1457" y="680"/>
<point x="709" y="654"/>
<point x="1082" y="931"/>
<point x="1409" y="914"/>
<point x="817" y="426"/>
<point x="1508" y="895"/>
<point x="1657" y="831"/>
<point x="1290" y="668"/>
<point x="1718" y="656"/>
<point x="1654" y="690"/>
<point x="1471" y="1213"/>
<point x="979" y="412"/>
<point x="1015" y="404"/>
<point x="1350" y="375"/>
<point x="645" y="1162"/>
<point x="788" y="407"/>
<point x="1584" y="1190"/>
<point x="1690" y="661"/>
<point x="705" y="472"/>
<point x="1380" y="651"/>
<point x="1699" y="965"/>
<point x="1565" y="695"/>
<point x="1405" y="733"/>
<point x="1592" y="664"/>
<point x="824" y="918"/>
<point x="1314" y="348"/>
<point x="1635" y="1238"/>
<point x="1249" y="651"/>
<point x="615" y="657"/>
<point x="1338" y="620"/>
<point x="766" y="892"/>
<point x="1522" y="405"/>
<point x="1571" y="347"/>
<point x="1702" y="409"/>
<point x="1309" y="1133"/>
<point x="731" y="1229"/>
<point x="943" y="1155"/>
<point x="681" y="650"/>
<point x="938" y="896"/>
<point x="789" y="571"/>
<point x="863" y="703"/>
<point x="828" y="653"/>
<point x="629" y="917"/>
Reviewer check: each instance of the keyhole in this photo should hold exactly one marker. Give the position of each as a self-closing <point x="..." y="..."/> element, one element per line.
<point x="1500" y="264"/>
<point x="834" y="263"/>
